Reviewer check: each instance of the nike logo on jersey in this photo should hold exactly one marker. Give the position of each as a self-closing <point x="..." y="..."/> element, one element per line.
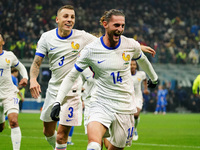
<point x="53" y="48"/>
<point x="88" y="77"/>
<point x="69" y="120"/>
<point x="100" y="61"/>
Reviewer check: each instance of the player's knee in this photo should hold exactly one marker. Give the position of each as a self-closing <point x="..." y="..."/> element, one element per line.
<point x="106" y="143"/>
<point x="60" y="138"/>
<point x="13" y="123"/>
<point x="48" y="133"/>
<point x="94" y="146"/>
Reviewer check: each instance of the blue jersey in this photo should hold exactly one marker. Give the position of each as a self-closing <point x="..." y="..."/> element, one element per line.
<point x="162" y="97"/>
<point x="15" y="80"/>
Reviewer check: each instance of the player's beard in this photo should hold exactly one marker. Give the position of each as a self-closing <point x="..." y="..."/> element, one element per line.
<point x="114" y="37"/>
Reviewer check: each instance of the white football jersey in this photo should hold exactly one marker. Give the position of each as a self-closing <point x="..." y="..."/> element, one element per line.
<point x="111" y="67"/>
<point x="88" y="85"/>
<point x="7" y="59"/>
<point x="138" y="78"/>
<point x="62" y="54"/>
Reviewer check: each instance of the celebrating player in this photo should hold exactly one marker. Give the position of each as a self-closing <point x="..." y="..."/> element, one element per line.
<point x="112" y="105"/>
<point x="8" y="93"/>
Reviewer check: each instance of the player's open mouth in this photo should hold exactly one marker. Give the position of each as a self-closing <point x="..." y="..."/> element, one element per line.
<point x="117" y="35"/>
<point x="68" y="25"/>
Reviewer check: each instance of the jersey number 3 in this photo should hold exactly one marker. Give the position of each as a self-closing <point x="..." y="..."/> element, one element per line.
<point x="61" y="61"/>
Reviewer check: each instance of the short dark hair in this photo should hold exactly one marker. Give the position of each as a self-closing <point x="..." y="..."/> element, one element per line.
<point x="13" y="70"/>
<point x="65" y="7"/>
<point x="138" y="68"/>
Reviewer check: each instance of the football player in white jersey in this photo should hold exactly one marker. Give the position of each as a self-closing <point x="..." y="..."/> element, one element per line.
<point x="9" y="103"/>
<point x="62" y="45"/>
<point x="138" y="78"/>
<point x="112" y="106"/>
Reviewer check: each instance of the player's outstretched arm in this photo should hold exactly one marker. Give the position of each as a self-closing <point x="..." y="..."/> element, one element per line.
<point x="24" y="74"/>
<point x="145" y="85"/>
<point x="65" y="87"/>
<point x="148" y="49"/>
<point x="34" y="72"/>
<point x="144" y="63"/>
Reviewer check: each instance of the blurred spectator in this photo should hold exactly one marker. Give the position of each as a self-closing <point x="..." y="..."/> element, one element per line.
<point x="194" y="55"/>
<point x="181" y="96"/>
<point x="181" y="56"/>
<point x="194" y="103"/>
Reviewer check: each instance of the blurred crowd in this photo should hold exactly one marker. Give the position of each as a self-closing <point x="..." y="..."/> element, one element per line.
<point x="171" y="27"/>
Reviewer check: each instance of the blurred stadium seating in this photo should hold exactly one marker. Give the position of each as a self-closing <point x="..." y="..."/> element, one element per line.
<point x="171" y="27"/>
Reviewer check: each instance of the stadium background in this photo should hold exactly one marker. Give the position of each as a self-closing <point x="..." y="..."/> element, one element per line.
<point x="171" y="27"/>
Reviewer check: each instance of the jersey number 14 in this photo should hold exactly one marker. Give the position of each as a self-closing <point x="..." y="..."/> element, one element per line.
<point x="116" y="79"/>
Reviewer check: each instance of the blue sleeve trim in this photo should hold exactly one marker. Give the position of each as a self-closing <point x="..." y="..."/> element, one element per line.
<point x="138" y="57"/>
<point x="77" y="68"/>
<point x="16" y="64"/>
<point x="40" y="54"/>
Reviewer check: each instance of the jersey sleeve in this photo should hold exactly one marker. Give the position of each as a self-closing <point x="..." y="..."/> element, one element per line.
<point x="15" y="61"/>
<point x="41" y="49"/>
<point x="83" y="60"/>
<point x="137" y="50"/>
<point x="143" y="75"/>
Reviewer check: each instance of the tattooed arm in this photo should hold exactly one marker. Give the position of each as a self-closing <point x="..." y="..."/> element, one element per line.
<point x="34" y="72"/>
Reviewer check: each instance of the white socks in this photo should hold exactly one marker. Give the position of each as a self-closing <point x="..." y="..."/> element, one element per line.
<point x="16" y="138"/>
<point x="69" y="139"/>
<point x="52" y="140"/>
<point x="61" y="146"/>
<point x="94" y="146"/>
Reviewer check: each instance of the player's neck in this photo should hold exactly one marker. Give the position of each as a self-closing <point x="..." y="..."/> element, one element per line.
<point x="1" y="49"/>
<point x="133" y="72"/>
<point x="108" y="42"/>
<point x="63" y="33"/>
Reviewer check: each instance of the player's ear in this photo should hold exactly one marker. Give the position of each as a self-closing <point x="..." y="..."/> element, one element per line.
<point x="105" y="24"/>
<point x="57" y="20"/>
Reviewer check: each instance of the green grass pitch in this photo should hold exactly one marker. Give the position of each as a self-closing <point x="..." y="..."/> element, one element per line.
<point x="156" y="132"/>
